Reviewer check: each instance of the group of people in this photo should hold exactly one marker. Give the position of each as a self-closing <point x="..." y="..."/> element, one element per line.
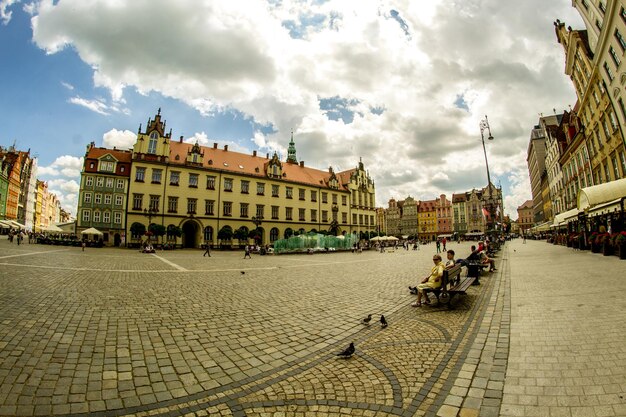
<point x="434" y="279"/>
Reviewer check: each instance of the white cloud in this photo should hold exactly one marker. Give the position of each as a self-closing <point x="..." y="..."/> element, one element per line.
<point x="5" y="13"/>
<point x="121" y="139"/>
<point x="503" y="60"/>
<point x="63" y="178"/>
<point x="67" y="85"/>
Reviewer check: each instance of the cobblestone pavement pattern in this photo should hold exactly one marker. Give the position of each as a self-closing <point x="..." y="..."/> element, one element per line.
<point x="114" y="332"/>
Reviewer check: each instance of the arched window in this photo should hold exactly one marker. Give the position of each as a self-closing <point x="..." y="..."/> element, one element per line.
<point x="273" y="234"/>
<point x="288" y="233"/>
<point x="152" y="143"/>
<point x="208" y="234"/>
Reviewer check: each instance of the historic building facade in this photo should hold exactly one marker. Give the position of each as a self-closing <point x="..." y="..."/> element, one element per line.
<point x="103" y="193"/>
<point x="208" y="193"/>
<point x="525" y="216"/>
<point x="427" y="220"/>
<point x="444" y="215"/>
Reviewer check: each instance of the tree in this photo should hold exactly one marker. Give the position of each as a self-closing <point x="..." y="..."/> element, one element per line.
<point x="157" y="230"/>
<point x="241" y="233"/>
<point x="137" y="230"/>
<point x="225" y="233"/>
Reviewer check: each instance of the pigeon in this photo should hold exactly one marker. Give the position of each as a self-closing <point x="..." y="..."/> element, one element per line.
<point x="367" y="319"/>
<point x="348" y="352"/>
<point x="243" y="272"/>
<point x="383" y="322"/>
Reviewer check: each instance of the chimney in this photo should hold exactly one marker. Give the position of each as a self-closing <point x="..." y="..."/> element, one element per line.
<point x="181" y="139"/>
<point x="253" y="153"/>
<point x="267" y="156"/>
<point x="330" y="170"/>
<point x="214" y="145"/>
<point x="226" y="147"/>
<point x="301" y="163"/>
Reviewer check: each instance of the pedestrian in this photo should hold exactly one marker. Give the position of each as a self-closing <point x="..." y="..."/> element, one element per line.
<point x="438" y="246"/>
<point x="207" y="250"/>
<point x="83" y="245"/>
<point x="444" y="243"/>
<point x="247" y="252"/>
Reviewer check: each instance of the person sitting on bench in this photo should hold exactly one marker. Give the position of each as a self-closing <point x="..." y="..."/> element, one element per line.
<point x="432" y="281"/>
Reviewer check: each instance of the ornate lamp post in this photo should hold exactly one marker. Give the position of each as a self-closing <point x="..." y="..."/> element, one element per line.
<point x="257" y="222"/>
<point x="150" y="213"/>
<point x="491" y="201"/>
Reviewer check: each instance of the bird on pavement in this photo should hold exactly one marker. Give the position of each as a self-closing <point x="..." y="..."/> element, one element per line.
<point x="367" y="319"/>
<point x="243" y="272"/>
<point x="383" y="322"/>
<point x="348" y="352"/>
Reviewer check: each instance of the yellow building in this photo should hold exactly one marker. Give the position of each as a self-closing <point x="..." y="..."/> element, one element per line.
<point x="427" y="220"/>
<point x="209" y="194"/>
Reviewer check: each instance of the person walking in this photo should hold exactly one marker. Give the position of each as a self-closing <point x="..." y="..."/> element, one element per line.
<point x="438" y="246"/>
<point x="247" y="252"/>
<point x="207" y="250"/>
<point x="444" y="243"/>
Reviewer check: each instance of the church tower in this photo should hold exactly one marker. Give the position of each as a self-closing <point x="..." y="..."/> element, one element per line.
<point x="291" y="152"/>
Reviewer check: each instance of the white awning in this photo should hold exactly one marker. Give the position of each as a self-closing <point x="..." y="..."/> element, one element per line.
<point x="4" y="223"/>
<point x="91" y="231"/>
<point x="53" y="228"/>
<point x="565" y="217"/>
<point x="543" y="227"/>
<point x="15" y="224"/>
<point x="605" y="208"/>
<point x="599" y="194"/>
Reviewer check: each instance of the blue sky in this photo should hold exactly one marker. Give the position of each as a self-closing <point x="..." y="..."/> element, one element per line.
<point x="402" y="85"/>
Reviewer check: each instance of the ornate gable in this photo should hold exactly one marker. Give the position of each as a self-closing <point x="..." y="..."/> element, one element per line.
<point x="274" y="168"/>
<point x="195" y="155"/>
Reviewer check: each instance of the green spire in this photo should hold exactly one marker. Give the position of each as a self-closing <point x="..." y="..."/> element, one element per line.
<point x="291" y="152"/>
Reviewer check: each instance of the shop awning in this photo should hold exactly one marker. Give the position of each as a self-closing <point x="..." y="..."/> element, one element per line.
<point x="565" y="217"/>
<point x="605" y="208"/>
<point x="599" y="194"/>
<point x="543" y="227"/>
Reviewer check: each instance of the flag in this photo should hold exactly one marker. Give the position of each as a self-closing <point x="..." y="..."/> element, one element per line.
<point x="485" y="213"/>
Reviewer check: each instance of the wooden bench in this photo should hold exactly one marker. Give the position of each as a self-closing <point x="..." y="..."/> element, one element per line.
<point x="451" y="285"/>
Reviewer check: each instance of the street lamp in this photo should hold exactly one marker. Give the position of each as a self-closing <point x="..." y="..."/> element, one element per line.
<point x="150" y="213"/>
<point x="257" y="220"/>
<point x="491" y="200"/>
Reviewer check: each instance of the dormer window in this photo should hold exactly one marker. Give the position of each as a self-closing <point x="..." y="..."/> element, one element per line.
<point x="152" y="143"/>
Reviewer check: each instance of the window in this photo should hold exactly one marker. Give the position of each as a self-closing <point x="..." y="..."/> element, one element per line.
<point x="324" y="215"/>
<point x="210" y="182"/>
<point x="137" y="201"/>
<point x="344" y="200"/>
<point x="301" y="193"/>
<point x="289" y="192"/>
<point x="288" y="213"/>
<point x="156" y="176"/>
<point x="245" y="187"/>
<point x="620" y="39"/>
<point x="608" y="71"/>
<point x="260" y="210"/>
<point x="228" y="184"/>
<point x="260" y="188"/>
<point x="227" y="208"/>
<point x="614" y="56"/>
<point x="96" y="217"/>
<point x="99" y="182"/>
<point x="119" y="200"/>
<point x="622" y="159"/>
<point x="360" y="219"/>
<point x="595" y="97"/>
<point x="98" y="199"/>
<point x="602" y="7"/>
<point x="120" y="184"/>
<point x="313" y="195"/>
<point x="86" y="215"/>
<point x="209" y="207"/>
<point x="274" y="212"/>
<point x="586" y="4"/>
<point x="107" y="199"/>
<point x="117" y="217"/>
<point x="613" y="120"/>
<point x="607" y="174"/>
<point x="109" y="182"/>
<point x="87" y="198"/>
<point x="334" y="198"/>
<point x="353" y="218"/>
<point x="344" y="218"/>
<point x="598" y="24"/>
<point x="313" y="215"/>
<point x="172" y="204"/>
<point x="140" y="174"/>
<point x="615" y="169"/>
<point x="324" y="197"/>
<point x="154" y="202"/>
<point x="152" y="142"/>
<point x="275" y="190"/>
<point x="89" y="181"/>
<point x="106" y="166"/>
<point x="193" y="180"/>
<point x="607" y="132"/>
<point x="106" y="217"/>
<point x="174" y="178"/>
<point x="302" y="214"/>
<point x="192" y="205"/>
<point x="243" y="210"/>
<point x="622" y="107"/>
<point x="622" y="14"/>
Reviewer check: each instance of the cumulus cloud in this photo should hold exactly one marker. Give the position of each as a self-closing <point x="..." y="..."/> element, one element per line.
<point x="5" y="13"/>
<point x="63" y="178"/>
<point x="431" y="70"/>
<point x="121" y="139"/>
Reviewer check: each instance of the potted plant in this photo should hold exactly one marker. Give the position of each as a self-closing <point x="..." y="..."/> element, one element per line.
<point x="620" y="244"/>
<point x="605" y="242"/>
<point x="595" y="242"/>
<point x="574" y="240"/>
